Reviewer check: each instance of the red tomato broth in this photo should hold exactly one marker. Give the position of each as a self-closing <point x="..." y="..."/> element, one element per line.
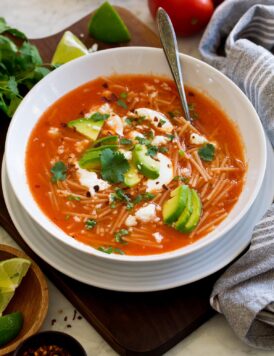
<point x="42" y="148"/>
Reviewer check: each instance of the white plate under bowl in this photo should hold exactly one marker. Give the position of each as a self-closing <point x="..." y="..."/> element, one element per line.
<point x="130" y="60"/>
<point x="132" y="277"/>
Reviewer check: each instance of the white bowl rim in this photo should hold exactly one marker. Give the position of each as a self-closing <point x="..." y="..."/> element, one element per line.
<point x="199" y="244"/>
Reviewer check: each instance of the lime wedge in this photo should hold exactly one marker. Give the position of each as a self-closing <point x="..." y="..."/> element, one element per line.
<point x="69" y="48"/>
<point x="10" y="326"/>
<point x="106" y="25"/>
<point x="11" y="273"/>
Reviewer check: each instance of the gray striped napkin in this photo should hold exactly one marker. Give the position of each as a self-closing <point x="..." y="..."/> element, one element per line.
<point x="239" y="41"/>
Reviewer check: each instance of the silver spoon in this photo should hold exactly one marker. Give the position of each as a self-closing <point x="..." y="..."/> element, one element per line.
<point x="169" y="43"/>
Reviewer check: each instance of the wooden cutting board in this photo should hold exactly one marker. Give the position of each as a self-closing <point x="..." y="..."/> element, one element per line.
<point x="132" y="323"/>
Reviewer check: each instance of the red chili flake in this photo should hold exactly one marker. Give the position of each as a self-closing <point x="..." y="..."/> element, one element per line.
<point x="96" y="188"/>
<point x="53" y="322"/>
<point x="63" y="124"/>
<point x="37" y="185"/>
<point x="88" y="195"/>
<point x="190" y="93"/>
<point x="105" y="85"/>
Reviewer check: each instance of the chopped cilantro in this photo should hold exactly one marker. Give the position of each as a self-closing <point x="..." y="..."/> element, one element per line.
<point x="141" y="119"/>
<point x="163" y="149"/>
<point x="59" y="171"/>
<point x="99" y="117"/>
<point x="125" y="141"/>
<point x="118" y="236"/>
<point x="191" y="106"/>
<point x="114" y="165"/>
<point x="170" y="137"/>
<point x="123" y="95"/>
<point x="181" y="179"/>
<point x="140" y="197"/>
<point x="207" y="152"/>
<point x="142" y="140"/>
<point x="121" y="195"/>
<point x="182" y="153"/>
<point x="73" y="197"/>
<point x="174" y="113"/>
<point x="90" y="223"/>
<point x="110" y="250"/>
<point x="129" y="120"/>
<point x="150" y="135"/>
<point x="151" y="150"/>
<point x="162" y="122"/>
<point x="122" y="103"/>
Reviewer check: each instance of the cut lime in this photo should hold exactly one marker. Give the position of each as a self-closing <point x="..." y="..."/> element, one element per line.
<point x="10" y="326"/>
<point x="69" y="48"/>
<point x="11" y="273"/>
<point x="106" y="25"/>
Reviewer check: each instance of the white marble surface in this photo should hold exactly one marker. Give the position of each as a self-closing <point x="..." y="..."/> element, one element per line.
<point x="40" y="18"/>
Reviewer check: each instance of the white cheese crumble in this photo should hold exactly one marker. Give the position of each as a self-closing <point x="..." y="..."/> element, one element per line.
<point x="134" y="134"/>
<point x="76" y="218"/>
<point x="90" y="180"/>
<point x="196" y="139"/>
<point x="131" y="221"/>
<point x="127" y="154"/>
<point x="165" y="174"/>
<point x="158" y="237"/>
<point x="53" y="131"/>
<point x="158" y="119"/>
<point x="159" y="140"/>
<point x="115" y="123"/>
<point x="147" y="213"/>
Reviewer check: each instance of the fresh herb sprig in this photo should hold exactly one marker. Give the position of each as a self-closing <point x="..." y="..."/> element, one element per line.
<point x="21" y="67"/>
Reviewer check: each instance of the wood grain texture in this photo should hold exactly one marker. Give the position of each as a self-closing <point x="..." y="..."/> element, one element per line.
<point x="132" y="323"/>
<point x="31" y="299"/>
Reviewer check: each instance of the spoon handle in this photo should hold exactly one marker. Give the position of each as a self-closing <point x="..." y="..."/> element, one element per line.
<point x="169" y="42"/>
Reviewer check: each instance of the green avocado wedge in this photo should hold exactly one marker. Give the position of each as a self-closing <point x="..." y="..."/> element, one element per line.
<point x="144" y="163"/>
<point x="91" y="158"/>
<point x="109" y="140"/>
<point x="131" y="177"/>
<point x="106" y="25"/>
<point x="173" y="207"/>
<point x="87" y="127"/>
<point x="180" y="223"/>
<point x="196" y="213"/>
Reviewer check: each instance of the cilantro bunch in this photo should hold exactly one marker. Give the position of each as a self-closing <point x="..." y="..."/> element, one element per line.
<point x="21" y="67"/>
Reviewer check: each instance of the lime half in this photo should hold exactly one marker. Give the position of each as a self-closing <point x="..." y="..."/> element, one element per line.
<point x="69" y="48"/>
<point x="10" y="326"/>
<point x="106" y="25"/>
<point x="11" y="273"/>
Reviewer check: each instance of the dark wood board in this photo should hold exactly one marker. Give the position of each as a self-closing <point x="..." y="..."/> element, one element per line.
<point x="132" y="323"/>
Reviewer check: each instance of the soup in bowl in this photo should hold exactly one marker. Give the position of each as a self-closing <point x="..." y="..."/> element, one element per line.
<point x="111" y="166"/>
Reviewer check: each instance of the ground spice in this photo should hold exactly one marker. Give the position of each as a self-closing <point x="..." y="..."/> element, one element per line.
<point x="47" y="350"/>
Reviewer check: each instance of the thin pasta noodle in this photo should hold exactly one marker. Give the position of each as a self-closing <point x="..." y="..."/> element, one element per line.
<point x="142" y="242"/>
<point x="212" y="223"/>
<point x="199" y="168"/>
<point x="117" y="221"/>
<point x="225" y="191"/>
<point x="198" y="160"/>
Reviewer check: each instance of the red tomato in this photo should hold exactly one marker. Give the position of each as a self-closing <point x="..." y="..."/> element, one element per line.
<point x="187" y="16"/>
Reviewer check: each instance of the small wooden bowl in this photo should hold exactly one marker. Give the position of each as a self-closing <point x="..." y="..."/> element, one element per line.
<point x="30" y="298"/>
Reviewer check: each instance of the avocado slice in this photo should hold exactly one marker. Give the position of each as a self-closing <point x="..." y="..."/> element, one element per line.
<point x="87" y="127"/>
<point x="180" y="223"/>
<point x="109" y="140"/>
<point x="173" y="207"/>
<point x="106" y="25"/>
<point x="91" y="158"/>
<point x="144" y="163"/>
<point x="196" y="213"/>
<point x="131" y="177"/>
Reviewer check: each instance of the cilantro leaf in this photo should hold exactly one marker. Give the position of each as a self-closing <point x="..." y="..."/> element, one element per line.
<point x="123" y="95"/>
<point x="118" y="236"/>
<point x="99" y="117"/>
<point x="125" y="141"/>
<point x="114" y="165"/>
<point x="122" y="103"/>
<point x="163" y="149"/>
<point x="207" y="152"/>
<point x="73" y="197"/>
<point x="13" y="31"/>
<point x="110" y="250"/>
<point x="90" y="223"/>
<point x="59" y="171"/>
<point x="170" y="137"/>
<point x="151" y="150"/>
<point x="142" y="140"/>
